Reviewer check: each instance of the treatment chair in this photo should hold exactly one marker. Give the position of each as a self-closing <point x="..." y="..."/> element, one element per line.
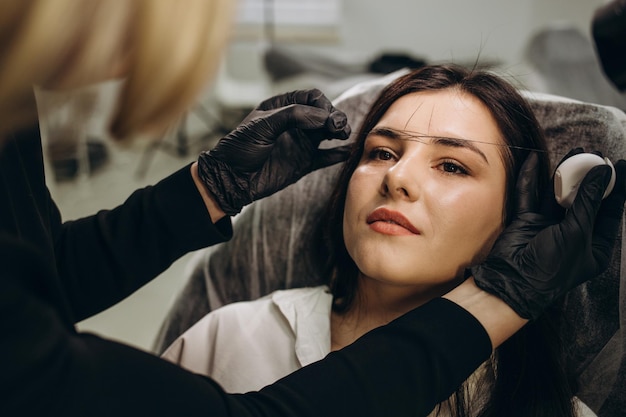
<point x="276" y="246"/>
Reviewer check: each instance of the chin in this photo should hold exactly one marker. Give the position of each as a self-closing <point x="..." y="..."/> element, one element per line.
<point x="409" y="274"/>
<point x="392" y="276"/>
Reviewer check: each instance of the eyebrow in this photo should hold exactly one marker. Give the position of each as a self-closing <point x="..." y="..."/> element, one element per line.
<point x="436" y="140"/>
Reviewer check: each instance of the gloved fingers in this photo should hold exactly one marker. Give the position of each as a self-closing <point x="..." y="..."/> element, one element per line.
<point x="303" y="117"/>
<point x="610" y="214"/>
<point x="337" y="122"/>
<point x="527" y="184"/>
<point x="550" y="209"/>
<point x="337" y="125"/>
<point x="572" y="152"/>
<point x="619" y="189"/>
<point x="579" y="220"/>
<point x="248" y="139"/>
<point x="312" y="97"/>
<point x="332" y="156"/>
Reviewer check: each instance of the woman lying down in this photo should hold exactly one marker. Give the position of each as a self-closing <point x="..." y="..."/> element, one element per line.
<point x="421" y="200"/>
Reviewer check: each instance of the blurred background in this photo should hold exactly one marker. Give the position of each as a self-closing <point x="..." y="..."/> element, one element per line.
<point x="282" y="45"/>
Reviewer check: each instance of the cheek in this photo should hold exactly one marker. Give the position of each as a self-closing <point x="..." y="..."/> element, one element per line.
<point x="361" y="187"/>
<point x="361" y="195"/>
<point x="471" y="220"/>
<point x="350" y="209"/>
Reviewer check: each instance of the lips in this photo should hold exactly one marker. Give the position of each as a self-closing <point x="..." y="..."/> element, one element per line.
<point x="390" y="222"/>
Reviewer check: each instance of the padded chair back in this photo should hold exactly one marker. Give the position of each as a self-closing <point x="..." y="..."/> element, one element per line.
<point x="276" y="245"/>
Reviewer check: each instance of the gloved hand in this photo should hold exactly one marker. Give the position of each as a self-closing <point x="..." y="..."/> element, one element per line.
<point x="274" y="146"/>
<point x="535" y="260"/>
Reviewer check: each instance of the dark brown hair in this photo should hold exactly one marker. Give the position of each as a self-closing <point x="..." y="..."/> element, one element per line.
<point x="515" y="382"/>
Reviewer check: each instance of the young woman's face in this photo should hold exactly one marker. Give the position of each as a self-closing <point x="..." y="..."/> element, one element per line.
<point x="419" y="210"/>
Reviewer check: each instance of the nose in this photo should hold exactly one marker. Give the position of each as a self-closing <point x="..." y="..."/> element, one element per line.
<point x="401" y="181"/>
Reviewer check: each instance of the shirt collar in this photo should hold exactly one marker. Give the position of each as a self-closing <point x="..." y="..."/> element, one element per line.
<point x="307" y="310"/>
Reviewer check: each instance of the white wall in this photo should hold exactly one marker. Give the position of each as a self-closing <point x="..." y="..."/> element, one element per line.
<point x="457" y="30"/>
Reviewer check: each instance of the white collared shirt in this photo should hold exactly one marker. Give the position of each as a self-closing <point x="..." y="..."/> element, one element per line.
<point x="246" y="346"/>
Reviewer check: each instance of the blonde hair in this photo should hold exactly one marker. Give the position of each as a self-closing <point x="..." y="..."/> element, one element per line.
<point x="170" y="49"/>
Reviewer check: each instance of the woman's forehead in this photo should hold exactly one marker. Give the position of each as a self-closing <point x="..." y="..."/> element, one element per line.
<point x="445" y="113"/>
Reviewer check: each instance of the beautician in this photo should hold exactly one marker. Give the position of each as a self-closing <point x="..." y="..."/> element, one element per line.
<point x="56" y="273"/>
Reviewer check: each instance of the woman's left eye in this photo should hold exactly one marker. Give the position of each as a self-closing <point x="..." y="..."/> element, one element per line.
<point x="453" y="168"/>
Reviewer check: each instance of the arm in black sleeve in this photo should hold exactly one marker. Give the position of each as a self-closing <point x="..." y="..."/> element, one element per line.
<point x="402" y="369"/>
<point x="101" y="259"/>
<point x="104" y="258"/>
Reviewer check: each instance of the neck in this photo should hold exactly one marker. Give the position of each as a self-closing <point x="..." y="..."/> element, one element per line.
<point x="377" y="303"/>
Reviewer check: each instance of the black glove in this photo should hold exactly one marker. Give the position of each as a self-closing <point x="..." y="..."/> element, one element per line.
<point x="535" y="260"/>
<point x="274" y="146"/>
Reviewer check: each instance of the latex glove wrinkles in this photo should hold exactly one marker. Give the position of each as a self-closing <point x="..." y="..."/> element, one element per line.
<point x="273" y="147"/>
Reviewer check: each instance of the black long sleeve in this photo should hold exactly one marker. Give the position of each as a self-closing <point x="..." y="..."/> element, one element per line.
<point x="402" y="369"/>
<point x="122" y="249"/>
<point x="98" y="260"/>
